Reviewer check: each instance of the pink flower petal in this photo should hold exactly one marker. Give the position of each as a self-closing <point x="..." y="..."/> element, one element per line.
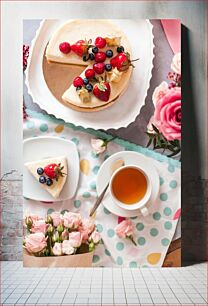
<point x="120" y="219"/>
<point x="177" y="214"/>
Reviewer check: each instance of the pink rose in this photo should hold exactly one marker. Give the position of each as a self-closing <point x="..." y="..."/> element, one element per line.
<point x="84" y="232"/>
<point x="168" y="114"/>
<point x="57" y="218"/>
<point x="72" y="220"/>
<point x="75" y="239"/>
<point x="57" y="249"/>
<point x="95" y="237"/>
<point x="176" y="63"/>
<point x="39" y="226"/>
<point x="35" y="243"/>
<point x="159" y="92"/>
<point x="67" y="248"/>
<point x="86" y="229"/>
<point x="124" y="229"/>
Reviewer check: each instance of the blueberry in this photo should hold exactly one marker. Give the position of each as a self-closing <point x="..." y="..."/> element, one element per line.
<point x="85" y="81"/>
<point x="120" y="49"/>
<point x="109" y="53"/>
<point x="85" y="58"/>
<point x="95" y="50"/>
<point x="40" y="171"/>
<point x="49" y="182"/>
<point x="108" y="67"/>
<point x="42" y="179"/>
<point x="78" y="88"/>
<point x="89" y="87"/>
<point x="91" y="56"/>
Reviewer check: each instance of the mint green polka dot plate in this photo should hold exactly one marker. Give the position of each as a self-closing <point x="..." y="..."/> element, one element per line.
<point x="129" y="158"/>
<point x="48" y="147"/>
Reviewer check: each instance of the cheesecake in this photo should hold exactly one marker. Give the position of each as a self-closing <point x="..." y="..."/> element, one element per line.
<point x="51" y="174"/>
<point x="96" y="45"/>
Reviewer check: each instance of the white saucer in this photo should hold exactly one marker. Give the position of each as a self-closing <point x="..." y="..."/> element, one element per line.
<point x="47" y="147"/>
<point x="130" y="158"/>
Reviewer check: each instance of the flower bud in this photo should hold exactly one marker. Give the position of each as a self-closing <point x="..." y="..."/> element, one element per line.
<point x="91" y="246"/>
<point x="50" y="230"/>
<point x="48" y="220"/>
<point x="60" y="228"/>
<point x="29" y="222"/>
<point x="56" y="237"/>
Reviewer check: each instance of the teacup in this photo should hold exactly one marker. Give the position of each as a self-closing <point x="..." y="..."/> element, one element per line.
<point x="130" y="188"/>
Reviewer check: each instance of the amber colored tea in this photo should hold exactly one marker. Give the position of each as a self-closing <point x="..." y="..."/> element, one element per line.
<point x="129" y="185"/>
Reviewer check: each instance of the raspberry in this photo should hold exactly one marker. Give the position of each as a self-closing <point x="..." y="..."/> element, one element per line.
<point x="65" y="47"/>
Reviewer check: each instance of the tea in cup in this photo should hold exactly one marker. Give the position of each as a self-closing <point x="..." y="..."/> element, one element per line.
<point x="130" y="188"/>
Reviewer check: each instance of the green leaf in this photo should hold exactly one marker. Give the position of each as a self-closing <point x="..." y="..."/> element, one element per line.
<point x="155" y="129"/>
<point x="149" y="143"/>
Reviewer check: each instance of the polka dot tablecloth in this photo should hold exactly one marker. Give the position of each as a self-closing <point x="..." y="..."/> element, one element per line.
<point x="152" y="234"/>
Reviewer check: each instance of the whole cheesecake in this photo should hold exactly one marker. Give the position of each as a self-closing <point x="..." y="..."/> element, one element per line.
<point x="111" y="73"/>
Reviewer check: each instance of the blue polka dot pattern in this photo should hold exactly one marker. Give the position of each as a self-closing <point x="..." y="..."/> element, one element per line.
<point x="93" y="185"/>
<point x="110" y="233"/>
<point x="43" y="127"/>
<point x="156" y="216"/>
<point x="140" y="226"/>
<point x="75" y="140"/>
<point x="106" y="211"/>
<point x="163" y="196"/>
<point x="77" y="203"/>
<point x="96" y="258"/>
<point x="30" y="125"/>
<point x="133" y="264"/>
<point x="171" y="168"/>
<point x="119" y="246"/>
<point x="96" y="169"/>
<point x="119" y="260"/>
<point x="153" y="232"/>
<point x="168" y="225"/>
<point x="167" y="211"/>
<point x="141" y="240"/>
<point x="99" y="228"/>
<point x="165" y="241"/>
<point x="107" y="252"/>
<point x="161" y="181"/>
<point x="86" y="194"/>
<point x="173" y="184"/>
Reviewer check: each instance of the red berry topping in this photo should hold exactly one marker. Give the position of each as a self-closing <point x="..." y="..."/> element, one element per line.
<point x="89" y="73"/>
<point x="78" y="81"/>
<point x="122" y="61"/>
<point x="65" y="47"/>
<point x="99" y="68"/>
<point x="54" y="171"/>
<point x="100" y="57"/>
<point x="102" y="91"/>
<point x="100" y="42"/>
<point x="80" y="47"/>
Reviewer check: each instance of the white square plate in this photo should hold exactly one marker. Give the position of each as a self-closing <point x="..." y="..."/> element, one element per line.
<point x="50" y="147"/>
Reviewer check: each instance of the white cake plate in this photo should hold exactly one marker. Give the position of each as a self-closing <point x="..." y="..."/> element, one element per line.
<point x="128" y="106"/>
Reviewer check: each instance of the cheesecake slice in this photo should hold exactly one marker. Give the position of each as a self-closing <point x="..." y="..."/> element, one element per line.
<point x="52" y="180"/>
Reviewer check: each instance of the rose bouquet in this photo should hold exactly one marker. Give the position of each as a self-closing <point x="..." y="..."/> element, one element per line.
<point x="60" y="234"/>
<point x="164" y="128"/>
